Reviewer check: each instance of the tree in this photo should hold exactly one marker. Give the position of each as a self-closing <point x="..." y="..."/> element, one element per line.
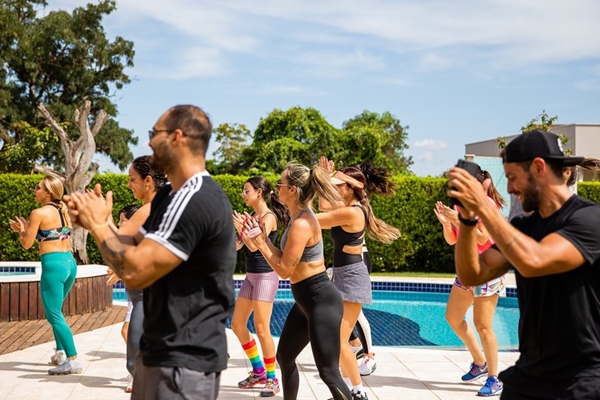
<point x="60" y="71"/>
<point x="299" y="134"/>
<point x="380" y="139"/>
<point x="233" y="141"/>
<point x="59" y="60"/>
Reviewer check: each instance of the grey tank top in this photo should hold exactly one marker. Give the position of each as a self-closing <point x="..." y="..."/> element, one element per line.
<point x="313" y="253"/>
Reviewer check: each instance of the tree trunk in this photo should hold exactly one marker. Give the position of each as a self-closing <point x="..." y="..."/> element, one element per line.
<point x="79" y="168"/>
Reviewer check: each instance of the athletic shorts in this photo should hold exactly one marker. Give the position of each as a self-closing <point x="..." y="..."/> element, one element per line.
<point x="261" y="286"/>
<point x="493" y="287"/>
<point x="353" y="283"/>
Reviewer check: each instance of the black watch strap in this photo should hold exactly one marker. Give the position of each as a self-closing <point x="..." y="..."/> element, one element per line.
<point x="468" y="222"/>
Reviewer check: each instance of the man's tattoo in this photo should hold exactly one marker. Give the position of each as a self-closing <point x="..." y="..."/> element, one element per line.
<point x="113" y="252"/>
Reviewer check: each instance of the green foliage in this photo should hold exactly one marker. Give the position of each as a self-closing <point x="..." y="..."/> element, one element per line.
<point x="542" y="122"/>
<point x="36" y="143"/>
<point x="60" y="59"/>
<point x="421" y="248"/>
<point x="303" y="135"/>
<point x="589" y="190"/>
<point x="232" y="139"/>
<point x="380" y="139"/>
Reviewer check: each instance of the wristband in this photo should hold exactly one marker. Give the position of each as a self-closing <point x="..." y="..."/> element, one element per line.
<point x="468" y="222"/>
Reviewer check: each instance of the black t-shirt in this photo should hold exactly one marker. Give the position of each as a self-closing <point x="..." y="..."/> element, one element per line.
<point x="185" y="311"/>
<point x="559" y="328"/>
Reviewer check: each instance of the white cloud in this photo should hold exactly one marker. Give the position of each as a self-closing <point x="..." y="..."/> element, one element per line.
<point x="431" y="145"/>
<point x="425" y="157"/>
<point x="432" y="35"/>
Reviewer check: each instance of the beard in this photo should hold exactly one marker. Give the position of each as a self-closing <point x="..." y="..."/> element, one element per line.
<point x="531" y="196"/>
<point x="161" y="159"/>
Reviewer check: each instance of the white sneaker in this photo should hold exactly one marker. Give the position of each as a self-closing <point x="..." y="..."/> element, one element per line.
<point x="66" y="368"/>
<point x="358" y="351"/>
<point x="367" y="366"/>
<point x="129" y="387"/>
<point x="59" y="357"/>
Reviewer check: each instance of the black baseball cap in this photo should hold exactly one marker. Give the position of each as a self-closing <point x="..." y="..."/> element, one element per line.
<point x="532" y="144"/>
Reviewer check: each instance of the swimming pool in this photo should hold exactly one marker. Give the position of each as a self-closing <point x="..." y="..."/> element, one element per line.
<point x="404" y="318"/>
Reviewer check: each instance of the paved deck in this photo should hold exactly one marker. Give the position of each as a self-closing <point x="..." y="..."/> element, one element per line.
<point x="402" y="373"/>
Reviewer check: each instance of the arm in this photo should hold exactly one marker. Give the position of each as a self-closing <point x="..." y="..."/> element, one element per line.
<point x="27" y="229"/>
<point x="553" y="254"/>
<point x="284" y="262"/>
<point x="137" y="261"/>
<point x="350" y="217"/>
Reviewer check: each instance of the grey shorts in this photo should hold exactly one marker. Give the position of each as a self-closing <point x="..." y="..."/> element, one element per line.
<point x="260" y="286"/>
<point x="353" y="283"/>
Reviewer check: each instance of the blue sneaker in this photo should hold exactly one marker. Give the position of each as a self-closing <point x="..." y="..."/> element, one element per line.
<point x="493" y="387"/>
<point x="475" y="371"/>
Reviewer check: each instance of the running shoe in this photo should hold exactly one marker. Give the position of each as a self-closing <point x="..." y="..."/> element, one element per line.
<point x="253" y="380"/>
<point x="271" y="388"/>
<point x="359" y="395"/>
<point x="493" y="387"/>
<point x="59" y="357"/>
<point x="66" y="368"/>
<point x="129" y="387"/>
<point x="367" y="366"/>
<point x="475" y="371"/>
<point x="358" y="351"/>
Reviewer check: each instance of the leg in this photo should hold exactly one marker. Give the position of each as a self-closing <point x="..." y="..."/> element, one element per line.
<point x="483" y="315"/>
<point x="262" y="325"/>
<point x="325" y="318"/>
<point x="347" y="357"/>
<point x="136" y="329"/>
<point x="293" y="339"/>
<point x="364" y="333"/>
<point x="56" y="281"/>
<point x="175" y="383"/>
<point x="241" y="315"/>
<point x="458" y="303"/>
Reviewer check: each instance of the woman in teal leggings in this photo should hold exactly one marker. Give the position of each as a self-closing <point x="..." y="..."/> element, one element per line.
<point x="50" y="226"/>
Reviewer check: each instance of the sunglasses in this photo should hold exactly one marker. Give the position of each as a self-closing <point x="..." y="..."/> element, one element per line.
<point x="281" y="184"/>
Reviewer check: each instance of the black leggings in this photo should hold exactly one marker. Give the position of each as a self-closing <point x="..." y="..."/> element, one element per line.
<point x="316" y="317"/>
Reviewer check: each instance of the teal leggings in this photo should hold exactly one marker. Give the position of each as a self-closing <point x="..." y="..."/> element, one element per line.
<point x="58" y="274"/>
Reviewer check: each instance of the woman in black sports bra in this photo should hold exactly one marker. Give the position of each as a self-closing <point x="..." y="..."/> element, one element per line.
<point x="50" y="226"/>
<point x="257" y="294"/>
<point x="349" y="222"/>
<point x="317" y="312"/>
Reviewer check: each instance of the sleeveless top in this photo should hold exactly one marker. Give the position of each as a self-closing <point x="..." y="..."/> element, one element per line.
<point x="255" y="261"/>
<point x="342" y="238"/>
<point x="62" y="233"/>
<point x="312" y="253"/>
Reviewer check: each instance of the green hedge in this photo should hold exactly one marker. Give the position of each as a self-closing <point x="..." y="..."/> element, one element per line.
<point x="420" y="248"/>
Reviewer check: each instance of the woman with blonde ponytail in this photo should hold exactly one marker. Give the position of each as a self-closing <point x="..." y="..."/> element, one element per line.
<point x="50" y="226"/>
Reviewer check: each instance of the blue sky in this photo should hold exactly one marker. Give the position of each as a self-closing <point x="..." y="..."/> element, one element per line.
<point x="455" y="72"/>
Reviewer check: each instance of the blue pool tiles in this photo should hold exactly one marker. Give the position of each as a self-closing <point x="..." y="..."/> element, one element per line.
<point x="393" y="286"/>
<point x="22" y="270"/>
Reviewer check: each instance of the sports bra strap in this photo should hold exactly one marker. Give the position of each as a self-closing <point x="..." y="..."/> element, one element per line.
<point x="62" y="219"/>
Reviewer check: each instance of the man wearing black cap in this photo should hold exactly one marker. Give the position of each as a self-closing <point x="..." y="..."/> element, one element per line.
<point x="555" y="253"/>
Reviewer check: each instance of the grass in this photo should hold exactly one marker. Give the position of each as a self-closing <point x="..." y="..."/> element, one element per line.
<point x="414" y="274"/>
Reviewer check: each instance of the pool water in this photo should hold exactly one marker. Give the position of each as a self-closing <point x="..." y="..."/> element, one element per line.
<point x="16" y="271"/>
<point x="406" y="318"/>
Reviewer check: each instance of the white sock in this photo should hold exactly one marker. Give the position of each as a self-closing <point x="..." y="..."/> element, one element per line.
<point x="357" y="388"/>
<point x="347" y="382"/>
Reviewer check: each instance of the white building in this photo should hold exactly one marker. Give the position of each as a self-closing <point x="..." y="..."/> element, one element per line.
<point x="584" y="141"/>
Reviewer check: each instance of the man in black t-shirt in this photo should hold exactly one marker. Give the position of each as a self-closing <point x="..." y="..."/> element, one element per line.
<point x="555" y="252"/>
<point x="184" y="259"/>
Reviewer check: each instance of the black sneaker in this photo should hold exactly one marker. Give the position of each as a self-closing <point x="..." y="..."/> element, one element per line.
<point x="359" y="395"/>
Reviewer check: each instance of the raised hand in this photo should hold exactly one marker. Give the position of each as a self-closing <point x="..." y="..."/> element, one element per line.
<point x="90" y="210"/>
<point x="326" y="164"/>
